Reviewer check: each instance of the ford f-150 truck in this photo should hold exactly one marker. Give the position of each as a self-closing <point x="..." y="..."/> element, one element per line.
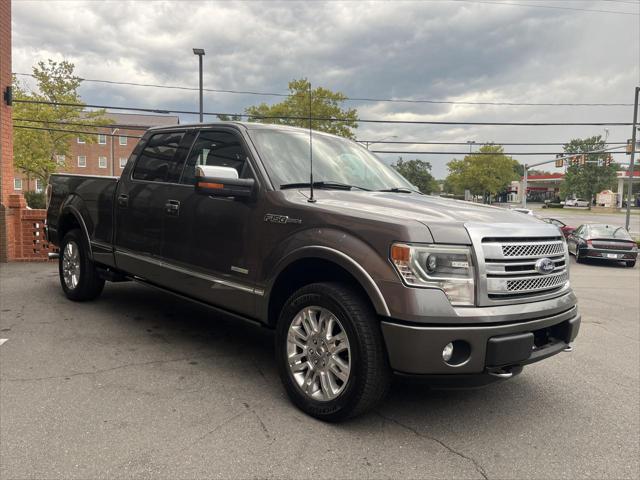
<point x="359" y="274"/>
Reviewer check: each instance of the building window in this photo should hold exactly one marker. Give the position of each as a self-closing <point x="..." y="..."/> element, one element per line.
<point x="123" y="162"/>
<point x="17" y="184"/>
<point x="102" y="139"/>
<point x="122" y="140"/>
<point x="80" y="140"/>
<point x="60" y="159"/>
<point x="102" y="162"/>
<point x="82" y="161"/>
<point x="38" y="185"/>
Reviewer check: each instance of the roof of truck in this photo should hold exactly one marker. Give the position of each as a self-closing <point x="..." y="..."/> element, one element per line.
<point x="247" y="125"/>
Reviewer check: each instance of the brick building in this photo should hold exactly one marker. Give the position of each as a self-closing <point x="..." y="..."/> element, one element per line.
<point x="107" y="155"/>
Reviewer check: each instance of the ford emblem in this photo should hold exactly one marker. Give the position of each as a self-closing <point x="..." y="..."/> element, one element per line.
<point x="545" y="266"/>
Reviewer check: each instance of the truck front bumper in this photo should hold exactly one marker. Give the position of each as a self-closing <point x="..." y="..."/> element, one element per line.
<point x="481" y="348"/>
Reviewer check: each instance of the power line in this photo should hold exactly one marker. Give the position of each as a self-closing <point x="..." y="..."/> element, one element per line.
<point x="395" y="142"/>
<point x="75" y="131"/>
<point x="476" y="143"/>
<point x="334" y="119"/>
<point x="124" y="127"/>
<point x="409" y="152"/>
<point x="355" y="99"/>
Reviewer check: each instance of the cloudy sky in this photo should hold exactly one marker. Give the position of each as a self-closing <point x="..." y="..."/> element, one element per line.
<point x="516" y="51"/>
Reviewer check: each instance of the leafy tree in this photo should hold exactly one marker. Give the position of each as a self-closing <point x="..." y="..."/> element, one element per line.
<point x="486" y="173"/>
<point x="418" y="172"/>
<point x="325" y="104"/>
<point x="592" y="177"/>
<point x="34" y="151"/>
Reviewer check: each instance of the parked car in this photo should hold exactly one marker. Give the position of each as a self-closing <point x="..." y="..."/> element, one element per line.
<point x="605" y="242"/>
<point x="359" y="274"/>
<point x="566" y="229"/>
<point x="576" y="202"/>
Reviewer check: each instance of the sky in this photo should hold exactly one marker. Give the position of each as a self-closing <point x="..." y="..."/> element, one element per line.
<point x="524" y="51"/>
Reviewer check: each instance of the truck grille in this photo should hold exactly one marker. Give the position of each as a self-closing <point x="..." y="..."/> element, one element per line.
<point x="510" y="265"/>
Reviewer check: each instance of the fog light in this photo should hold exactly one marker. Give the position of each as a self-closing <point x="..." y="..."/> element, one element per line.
<point x="447" y="352"/>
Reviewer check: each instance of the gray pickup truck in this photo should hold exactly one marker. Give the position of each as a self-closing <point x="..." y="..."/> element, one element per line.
<point x="360" y="275"/>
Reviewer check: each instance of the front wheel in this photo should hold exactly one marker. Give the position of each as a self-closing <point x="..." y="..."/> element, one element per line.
<point x="631" y="264"/>
<point x="330" y="352"/>
<point x="78" y="275"/>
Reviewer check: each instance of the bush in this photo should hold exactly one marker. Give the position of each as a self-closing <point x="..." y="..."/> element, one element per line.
<point x="35" y="200"/>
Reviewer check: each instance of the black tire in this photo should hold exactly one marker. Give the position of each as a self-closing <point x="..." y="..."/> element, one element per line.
<point x="631" y="264"/>
<point x="579" y="259"/>
<point x="89" y="284"/>
<point x="370" y="375"/>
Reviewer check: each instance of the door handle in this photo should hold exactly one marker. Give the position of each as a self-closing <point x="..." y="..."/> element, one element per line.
<point x="123" y="200"/>
<point x="172" y="207"/>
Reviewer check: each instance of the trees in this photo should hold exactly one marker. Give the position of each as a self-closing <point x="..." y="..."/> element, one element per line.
<point x="485" y="173"/>
<point x="418" y="172"/>
<point x="325" y="104"/>
<point x="592" y="177"/>
<point x="34" y="151"/>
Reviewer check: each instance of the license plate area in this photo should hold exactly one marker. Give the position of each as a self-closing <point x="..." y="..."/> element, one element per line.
<point x="612" y="255"/>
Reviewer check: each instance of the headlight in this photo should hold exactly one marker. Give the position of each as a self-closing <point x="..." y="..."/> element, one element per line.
<point x="449" y="268"/>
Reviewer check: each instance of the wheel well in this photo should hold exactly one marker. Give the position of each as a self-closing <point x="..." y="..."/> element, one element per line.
<point x="304" y="272"/>
<point x="67" y="222"/>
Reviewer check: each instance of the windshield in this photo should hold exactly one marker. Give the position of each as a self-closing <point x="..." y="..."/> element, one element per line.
<point x="605" y="231"/>
<point x="286" y="157"/>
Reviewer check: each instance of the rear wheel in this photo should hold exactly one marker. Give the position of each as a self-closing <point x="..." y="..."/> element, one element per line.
<point x="330" y="353"/>
<point x="78" y="275"/>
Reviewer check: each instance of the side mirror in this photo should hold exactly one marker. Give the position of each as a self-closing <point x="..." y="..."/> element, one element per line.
<point x="222" y="182"/>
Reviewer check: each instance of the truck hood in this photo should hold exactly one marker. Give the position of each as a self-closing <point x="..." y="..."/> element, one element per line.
<point x="445" y="218"/>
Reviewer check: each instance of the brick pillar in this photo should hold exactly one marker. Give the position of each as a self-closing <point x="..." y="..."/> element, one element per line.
<point x="7" y="239"/>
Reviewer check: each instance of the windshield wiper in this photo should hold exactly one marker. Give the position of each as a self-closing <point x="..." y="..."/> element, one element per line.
<point x="398" y="190"/>
<point x="323" y="184"/>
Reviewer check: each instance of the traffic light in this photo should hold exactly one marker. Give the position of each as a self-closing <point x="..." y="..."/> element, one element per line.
<point x="608" y="160"/>
<point x="629" y="146"/>
<point x="559" y="160"/>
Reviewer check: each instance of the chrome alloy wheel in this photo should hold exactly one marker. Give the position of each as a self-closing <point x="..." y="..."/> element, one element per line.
<point x="71" y="265"/>
<point x="318" y="353"/>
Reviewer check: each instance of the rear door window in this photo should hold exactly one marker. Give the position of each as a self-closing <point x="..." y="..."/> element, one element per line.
<point x="158" y="162"/>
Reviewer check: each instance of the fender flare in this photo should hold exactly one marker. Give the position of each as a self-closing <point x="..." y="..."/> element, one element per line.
<point x="343" y="260"/>
<point x="72" y="210"/>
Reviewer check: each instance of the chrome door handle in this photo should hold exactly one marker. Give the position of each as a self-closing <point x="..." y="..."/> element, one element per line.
<point x="172" y="207"/>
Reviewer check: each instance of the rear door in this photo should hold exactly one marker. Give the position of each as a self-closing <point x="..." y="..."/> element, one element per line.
<point x="140" y="202"/>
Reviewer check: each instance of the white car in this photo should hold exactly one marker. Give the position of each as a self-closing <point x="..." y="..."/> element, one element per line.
<point x="576" y="202"/>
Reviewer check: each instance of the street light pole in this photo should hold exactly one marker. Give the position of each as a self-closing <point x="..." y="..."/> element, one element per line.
<point x="525" y="186"/>
<point x="200" y="53"/>
<point x="633" y="155"/>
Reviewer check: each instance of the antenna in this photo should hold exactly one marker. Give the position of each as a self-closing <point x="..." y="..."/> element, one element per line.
<point x="311" y="198"/>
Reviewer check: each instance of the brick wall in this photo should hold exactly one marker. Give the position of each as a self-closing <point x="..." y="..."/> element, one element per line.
<point x="25" y="229"/>
<point x="6" y="134"/>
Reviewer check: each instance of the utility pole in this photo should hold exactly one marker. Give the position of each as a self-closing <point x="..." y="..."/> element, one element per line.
<point x="525" y="186"/>
<point x="200" y="53"/>
<point x="633" y="154"/>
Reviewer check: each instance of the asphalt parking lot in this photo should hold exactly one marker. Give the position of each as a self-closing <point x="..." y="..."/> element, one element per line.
<point x="141" y="385"/>
<point x="577" y="216"/>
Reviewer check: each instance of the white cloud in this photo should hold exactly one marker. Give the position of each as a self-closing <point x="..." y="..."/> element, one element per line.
<point x="422" y="50"/>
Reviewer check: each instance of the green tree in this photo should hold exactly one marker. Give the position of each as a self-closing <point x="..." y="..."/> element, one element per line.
<point x="486" y="173"/>
<point x="418" y="172"/>
<point x="229" y="118"/>
<point x="35" y="151"/>
<point x="325" y="104"/>
<point x="594" y="176"/>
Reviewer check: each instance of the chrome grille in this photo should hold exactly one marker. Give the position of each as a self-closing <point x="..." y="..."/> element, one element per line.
<point x="510" y="265"/>
<point x="532" y="249"/>
<point x="535" y="284"/>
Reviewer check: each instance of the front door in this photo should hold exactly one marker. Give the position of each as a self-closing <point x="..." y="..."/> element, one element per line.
<point x="209" y="243"/>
